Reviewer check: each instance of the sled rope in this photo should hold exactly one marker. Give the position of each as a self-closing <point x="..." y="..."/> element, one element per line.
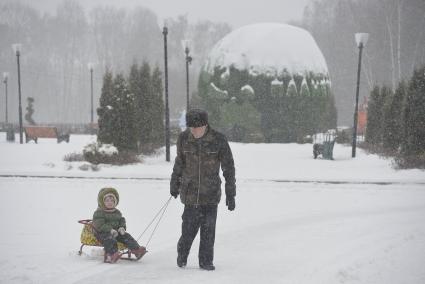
<point x="160" y="212"/>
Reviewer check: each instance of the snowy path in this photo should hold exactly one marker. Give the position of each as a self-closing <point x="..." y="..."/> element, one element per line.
<point x="333" y="181"/>
<point x="279" y="233"/>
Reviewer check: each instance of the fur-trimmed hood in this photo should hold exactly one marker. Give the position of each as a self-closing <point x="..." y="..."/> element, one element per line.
<point x="103" y="193"/>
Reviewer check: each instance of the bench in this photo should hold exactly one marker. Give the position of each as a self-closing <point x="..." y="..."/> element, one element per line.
<point x="35" y="132"/>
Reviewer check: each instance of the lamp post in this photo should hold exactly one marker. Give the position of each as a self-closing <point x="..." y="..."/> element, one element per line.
<point x="5" y="77"/>
<point x="17" y="49"/>
<point x="188" y="61"/>
<point x="90" y="66"/>
<point x="361" y="40"/>
<point x="167" y="110"/>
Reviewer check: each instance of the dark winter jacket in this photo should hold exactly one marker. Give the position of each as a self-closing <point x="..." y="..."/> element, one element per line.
<point x="104" y="221"/>
<point x="196" y="169"/>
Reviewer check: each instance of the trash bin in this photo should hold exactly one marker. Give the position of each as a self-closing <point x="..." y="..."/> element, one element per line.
<point x="10" y="135"/>
<point x="328" y="148"/>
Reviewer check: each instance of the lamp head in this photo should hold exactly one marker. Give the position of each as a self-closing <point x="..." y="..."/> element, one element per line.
<point x="361" y="39"/>
<point x="17" y="48"/>
<point x="165" y="28"/>
<point x="187" y="45"/>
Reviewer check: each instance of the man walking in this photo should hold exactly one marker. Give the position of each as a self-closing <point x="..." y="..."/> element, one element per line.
<point x="200" y="152"/>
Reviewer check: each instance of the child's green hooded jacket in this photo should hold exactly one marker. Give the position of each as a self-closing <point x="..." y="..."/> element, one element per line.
<point x="104" y="220"/>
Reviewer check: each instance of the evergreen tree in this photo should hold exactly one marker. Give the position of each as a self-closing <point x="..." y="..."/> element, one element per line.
<point x="393" y="126"/>
<point x="413" y="144"/>
<point x="375" y="116"/>
<point x="309" y="120"/>
<point x="293" y="111"/>
<point x="286" y="78"/>
<point x="144" y="106"/>
<point x="106" y="111"/>
<point x="306" y="122"/>
<point x="124" y="137"/>
<point x="304" y="89"/>
<point x="292" y="89"/>
<point x="242" y="118"/>
<point x="134" y="85"/>
<point x="330" y="113"/>
<point x="277" y="88"/>
<point x="157" y="109"/>
<point x="265" y="105"/>
<point x="386" y="95"/>
<point x="314" y="88"/>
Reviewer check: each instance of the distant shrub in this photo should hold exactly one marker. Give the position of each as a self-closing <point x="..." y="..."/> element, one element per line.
<point x="410" y="162"/>
<point x="98" y="153"/>
<point x="86" y="167"/>
<point x="74" y="157"/>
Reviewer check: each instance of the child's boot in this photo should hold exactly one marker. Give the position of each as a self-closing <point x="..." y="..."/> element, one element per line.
<point x="112" y="258"/>
<point x="140" y="252"/>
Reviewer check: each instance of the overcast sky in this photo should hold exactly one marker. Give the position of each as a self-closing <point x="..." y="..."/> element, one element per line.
<point x="235" y="12"/>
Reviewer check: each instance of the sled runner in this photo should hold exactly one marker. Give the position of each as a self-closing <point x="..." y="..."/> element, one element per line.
<point x="88" y="238"/>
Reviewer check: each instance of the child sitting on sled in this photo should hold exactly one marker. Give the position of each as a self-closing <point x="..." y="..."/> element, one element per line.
<point x="110" y="227"/>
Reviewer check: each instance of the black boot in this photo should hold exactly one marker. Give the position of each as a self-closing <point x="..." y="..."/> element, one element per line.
<point x="208" y="267"/>
<point x="181" y="262"/>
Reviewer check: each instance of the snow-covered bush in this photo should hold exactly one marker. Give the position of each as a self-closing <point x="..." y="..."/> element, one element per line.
<point x="73" y="157"/>
<point x="87" y="166"/>
<point x="97" y="153"/>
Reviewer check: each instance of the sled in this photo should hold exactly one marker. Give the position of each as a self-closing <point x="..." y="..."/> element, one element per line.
<point x="88" y="238"/>
<point x="88" y="235"/>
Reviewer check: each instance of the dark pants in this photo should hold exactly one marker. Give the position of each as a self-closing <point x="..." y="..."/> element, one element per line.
<point x="110" y="244"/>
<point x="202" y="217"/>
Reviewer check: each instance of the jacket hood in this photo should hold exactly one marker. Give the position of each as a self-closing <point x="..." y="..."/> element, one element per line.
<point x="106" y="191"/>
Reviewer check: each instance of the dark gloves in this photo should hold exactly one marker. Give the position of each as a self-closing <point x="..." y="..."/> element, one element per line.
<point x="121" y="231"/>
<point x="174" y="194"/>
<point x="114" y="233"/>
<point x="230" y="203"/>
<point x="175" y="184"/>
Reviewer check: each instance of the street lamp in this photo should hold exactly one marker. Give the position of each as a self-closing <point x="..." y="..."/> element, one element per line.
<point x="361" y="40"/>
<point x="17" y="49"/>
<point x="186" y="47"/>
<point x="90" y="66"/>
<point x="167" y="109"/>
<point x="5" y="77"/>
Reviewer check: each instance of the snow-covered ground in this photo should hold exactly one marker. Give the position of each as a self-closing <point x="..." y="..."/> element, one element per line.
<point x="297" y="220"/>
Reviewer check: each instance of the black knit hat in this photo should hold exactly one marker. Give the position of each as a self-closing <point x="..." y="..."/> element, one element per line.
<point x="196" y="118"/>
